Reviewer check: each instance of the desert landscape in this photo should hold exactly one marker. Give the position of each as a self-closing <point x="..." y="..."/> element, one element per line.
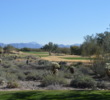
<point x="54" y="50"/>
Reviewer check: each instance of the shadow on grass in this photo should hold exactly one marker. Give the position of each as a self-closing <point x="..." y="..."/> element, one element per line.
<point x="58" y="95"/>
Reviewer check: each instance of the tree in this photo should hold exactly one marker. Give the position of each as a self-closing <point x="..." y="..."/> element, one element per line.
<point x="100" y="38"/>
<point x="89" y="46"/>
<point x="1" y="50"/>
<point x="26" y="49"/>
<point x="98" y="45"/>
<point x="106" y="42"/>
<point x="103" y="40"/>
<point x="75" y="50"/>
<point x="50" y="47"/>
<point x="64" y="50"/>
<point x="8" y="48"/>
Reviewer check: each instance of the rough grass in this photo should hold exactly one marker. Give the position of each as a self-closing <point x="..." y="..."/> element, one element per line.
<point x="68" y="58"/>
<point x="40" y="54"/>
<point x="76" y="58"/>
<point x="55" y="95"/>
<point x="33" y="52"/>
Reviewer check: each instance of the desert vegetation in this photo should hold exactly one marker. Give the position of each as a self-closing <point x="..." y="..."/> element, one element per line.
<point x="26" y="69"/>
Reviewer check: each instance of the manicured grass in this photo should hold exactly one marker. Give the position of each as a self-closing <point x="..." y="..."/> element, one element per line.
<point x="55" y="95"/>
<point x="76" y="58"/>
<point x="40" y="54"/>
<point x="43" y="55"/>
<point x="32" y="52"/>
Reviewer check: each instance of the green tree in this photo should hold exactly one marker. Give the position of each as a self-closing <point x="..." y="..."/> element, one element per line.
<point x="89" y="46"/>
<point x="1" y="50"/>
<point x="100" y="38"/>
<point x="75" y="50"/>
<point x="103" y="41"/>
<point x="98" y="45"/>
<point x="64" y="50"/>
<point x="50" y="47"/>
<point x="9" y="48"/>
<point x="26" y="49"/>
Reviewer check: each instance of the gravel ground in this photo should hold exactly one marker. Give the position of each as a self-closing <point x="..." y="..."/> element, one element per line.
<point x="35" y="85"/>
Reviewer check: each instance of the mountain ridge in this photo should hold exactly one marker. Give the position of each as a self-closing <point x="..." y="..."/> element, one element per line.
<point x="34" y="45"/>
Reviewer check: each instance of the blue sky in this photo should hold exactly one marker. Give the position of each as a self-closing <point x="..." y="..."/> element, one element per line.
<point x="57" y="21"/>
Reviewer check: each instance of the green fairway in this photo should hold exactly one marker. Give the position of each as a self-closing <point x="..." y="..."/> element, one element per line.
<point x="76" y="58"/>
<point x="40" y="54"/>
<point x="55" y="95"/>
<point x="33" y="52"/>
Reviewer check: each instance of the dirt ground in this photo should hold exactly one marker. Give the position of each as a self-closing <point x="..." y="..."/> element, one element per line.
<point x="35" y="85"/>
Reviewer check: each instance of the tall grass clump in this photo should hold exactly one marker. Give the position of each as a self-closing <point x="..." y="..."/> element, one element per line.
<point x="83" y="81"/>
<point x="53" y="80"/>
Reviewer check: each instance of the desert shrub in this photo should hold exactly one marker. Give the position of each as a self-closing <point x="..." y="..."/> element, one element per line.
<point x="12" y="84"/>
<point x="32" y="57"/>
<point x="26" y="72"/>
<point x="65" y="74"/>
<point x="68" y="75"/>
<point x="41" y="62"/>
<point x="7" y="64"/>
<point x="13" y="69"/>
<point x="8" y="58"/>
<point x="62" y="63"/>
<point x="2" y="80"/>
<point x="3" y="75"/>
<point x="11" y="77"/>
<point x="21" y="76"/>
<point x="53" y="80"/>
<point x="44" y="62"/>
<point x="36" y="75"/>
<point x="54" y="87"/>
<point x="102" y="85"/>
<point x="83" y="81"/>
<point x="99" y="68"/>
<point x="0" y="61"/>
<point x="20" y="64"/>
<point x="85" y="70"/>
<point x="77" y="64"/>
<point x="32" y="77"/>
<point x="25" y="67"/>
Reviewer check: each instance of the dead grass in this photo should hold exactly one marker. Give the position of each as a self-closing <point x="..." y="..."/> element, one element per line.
<point x="58" y="58"/>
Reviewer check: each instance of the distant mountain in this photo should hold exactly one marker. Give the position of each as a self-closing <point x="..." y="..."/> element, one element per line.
<point x="76" y="44"/>
<point x="34" y="45"/>
<point x="23" y="45"/>
<point x="67" y="46"/>
<point x="2" y="44"/>
<point x="63" y="46"/>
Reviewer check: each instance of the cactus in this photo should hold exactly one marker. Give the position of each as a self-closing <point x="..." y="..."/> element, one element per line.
<point x="27" y="61"/>
<point x="71" y="70"/>
<point x="0" y="61"/>
<point x="55" y="67"/>
<point x="55" y="71"/>
<point x="15" y="57"/>
<point x="107" y="69"/>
